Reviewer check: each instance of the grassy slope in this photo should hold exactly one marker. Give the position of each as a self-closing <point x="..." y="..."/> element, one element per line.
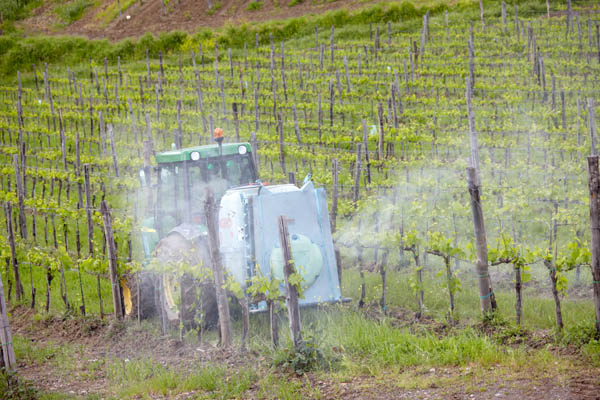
<point x="100" y="18"/>
<point x="20" y="52"/>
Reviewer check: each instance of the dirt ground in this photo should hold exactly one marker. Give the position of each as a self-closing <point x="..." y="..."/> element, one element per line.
<point x="187" y="15"/>
<point x="96" y="340"/>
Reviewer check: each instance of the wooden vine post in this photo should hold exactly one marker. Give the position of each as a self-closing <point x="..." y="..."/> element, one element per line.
<point x="594" y="185"/>
<point x="380" y="144"/>
<point x="274" y="322"/>
<point x="148" y="151"/>
<point x="486" y="294"/>
<point x="20" y="197"/>
<point x="7" y="356"/>
<point x="111" y="136"/>
<point x="281" y="144"/>
<point x="357" y="168"/>
<point x="210" y="209"/>
<point x="112" y="260"/>
<point x="291" y="289"/>
<point x="334" y="193"/>
<point x="13" y="251"/>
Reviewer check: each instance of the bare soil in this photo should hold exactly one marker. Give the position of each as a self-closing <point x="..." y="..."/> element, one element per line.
<point x="186" y="15"/>
<point x="96" y="339"/>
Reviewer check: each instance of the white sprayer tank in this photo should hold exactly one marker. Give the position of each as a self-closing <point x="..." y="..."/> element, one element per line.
<point x="249" y="239"/>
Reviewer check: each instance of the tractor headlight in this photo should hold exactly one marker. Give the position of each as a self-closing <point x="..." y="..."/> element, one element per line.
<point x="195" y="155"/>
<point x="242" y="150"/>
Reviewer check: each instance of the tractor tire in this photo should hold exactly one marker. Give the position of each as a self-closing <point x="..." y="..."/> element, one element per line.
<point x="187" y="300"/>
<point x="141" y="284"/>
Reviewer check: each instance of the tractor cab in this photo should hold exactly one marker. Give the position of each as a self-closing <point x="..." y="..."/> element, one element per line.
<point x="183" y="177"/>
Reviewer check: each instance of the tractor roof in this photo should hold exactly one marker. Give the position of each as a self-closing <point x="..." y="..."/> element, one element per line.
<point x="208" y="151"/>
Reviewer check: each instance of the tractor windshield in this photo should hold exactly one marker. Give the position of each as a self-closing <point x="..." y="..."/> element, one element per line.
<point x="180" y="193"/>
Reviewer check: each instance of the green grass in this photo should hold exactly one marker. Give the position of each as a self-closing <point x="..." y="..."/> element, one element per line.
<point x="12" y="10"/>
<point x="146" y="378"/>
<point x="71" y="11"/>
<point x="141" y="376"/>
<point x="15" y="10"/>
<point x="385" y="345"/>
<point x="352" y="344"/>
<point x="538" y="305"/>
<point x="62" y="356"/>
<point x="57" y="305"/>
<point x="64" y="396"/>
<point x="16" y="390"/>
<point x="32" y="353"/>
<point x="254" y="5"/>
<point x="217" y="5"/>
<point x="111" y="12"/>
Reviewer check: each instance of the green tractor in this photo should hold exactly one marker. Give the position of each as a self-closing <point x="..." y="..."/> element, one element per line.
<point x="176" y="232"/>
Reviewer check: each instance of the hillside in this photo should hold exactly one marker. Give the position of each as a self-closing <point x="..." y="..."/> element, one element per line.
<point x="100" y="19"/>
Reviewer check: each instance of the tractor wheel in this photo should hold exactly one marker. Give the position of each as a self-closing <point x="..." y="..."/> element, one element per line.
<point x="146" y="291"/>
<point x="185" y="298"/>
<point x="190" y="301"/>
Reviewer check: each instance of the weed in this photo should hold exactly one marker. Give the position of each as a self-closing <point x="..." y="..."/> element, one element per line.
<point x="584" y="337"/>
<point x="93" y="369"/>
<point x="123" y="370"/>
<point x="386" y="345"/>
<point x="145" y="376"/>
<point x="206" y="379"/>
<point x="274" y="386"/>
<point x="304" y="358"/>
<point x="115" y="329"/>
<point x="592" y="351"/>
<point x="112" y="11"/>
<point x="236" y="387"/>
<point x="295" y="2"/>
<point x="254" y="5"/>
<point x="33" y="353"/>
<point x="216" y="7"/>
<point x="43" y="318"/>
<point x="503" y="332"/>
<point x="12" y="10"/>
<point x="13" y="388"/>
<point x="90" y="325"/>
<point x="48" y="354"/>
<point x="72" y="11"/>
<point x="578" y="334"/>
